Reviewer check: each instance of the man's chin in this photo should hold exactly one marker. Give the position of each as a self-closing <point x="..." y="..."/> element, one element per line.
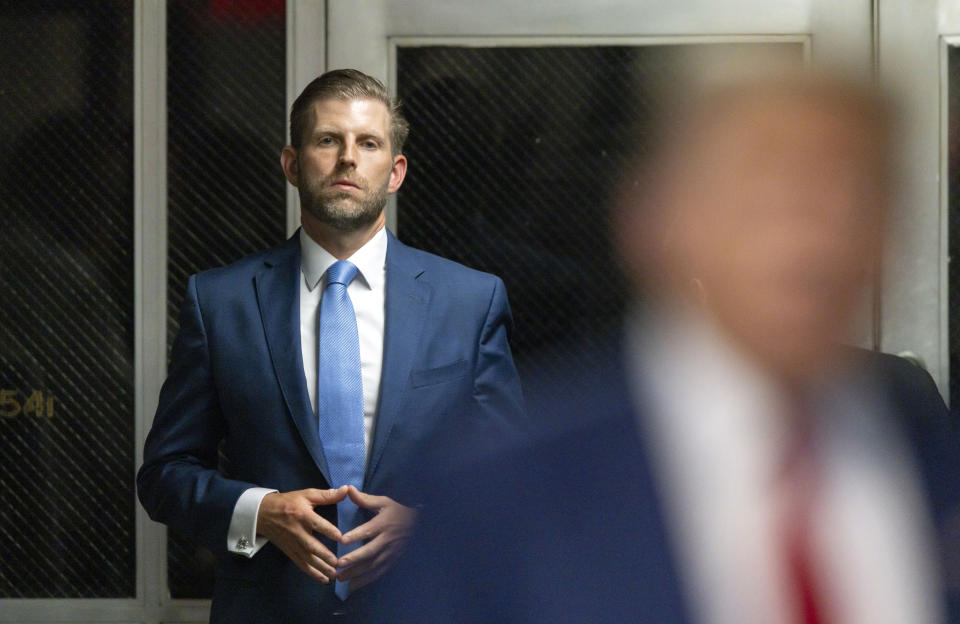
<point x="351" y="225"/>
<point x="346" y="218"/>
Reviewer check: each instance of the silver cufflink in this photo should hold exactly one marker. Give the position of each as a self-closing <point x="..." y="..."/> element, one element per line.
<point x="243" y="544"/>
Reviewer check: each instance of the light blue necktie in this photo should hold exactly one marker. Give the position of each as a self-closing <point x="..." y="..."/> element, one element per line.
<point x="340" y="396"/>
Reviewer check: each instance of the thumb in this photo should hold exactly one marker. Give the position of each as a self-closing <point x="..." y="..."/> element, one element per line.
<point x="367" y="501"/>
<point x="325" y="497"/>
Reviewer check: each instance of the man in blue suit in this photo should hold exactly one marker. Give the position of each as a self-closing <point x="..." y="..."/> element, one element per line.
<point x="722" y="459"/>
<point x="307" y="379"/>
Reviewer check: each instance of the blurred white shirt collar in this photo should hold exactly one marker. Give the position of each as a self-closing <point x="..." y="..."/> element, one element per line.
<point x="714" y="424"/>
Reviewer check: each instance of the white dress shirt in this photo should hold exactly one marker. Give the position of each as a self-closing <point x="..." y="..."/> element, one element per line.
<point x="368" y="294"/>
<point x="716" y="442"/>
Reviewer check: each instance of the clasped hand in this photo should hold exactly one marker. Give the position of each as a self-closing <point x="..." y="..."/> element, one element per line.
<point x="288" y="520"/>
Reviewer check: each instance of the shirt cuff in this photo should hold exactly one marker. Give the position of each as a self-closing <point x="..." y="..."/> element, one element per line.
<point x="242" y="537"/>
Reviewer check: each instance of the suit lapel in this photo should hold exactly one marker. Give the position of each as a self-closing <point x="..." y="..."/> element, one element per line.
<point x="407" y="299"/>
<point x="278" y="296"/>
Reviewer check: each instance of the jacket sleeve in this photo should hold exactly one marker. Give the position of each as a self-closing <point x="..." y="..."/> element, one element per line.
<point x="179" y="483"/>
<point x="498" y="398"/>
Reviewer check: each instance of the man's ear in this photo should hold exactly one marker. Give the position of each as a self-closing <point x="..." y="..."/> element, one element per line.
<point x="290" y="165"/>
<point x="398" y="173"/>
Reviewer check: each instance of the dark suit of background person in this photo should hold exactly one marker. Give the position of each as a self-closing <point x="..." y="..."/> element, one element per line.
<point x="770" y="195"/>
<point x="236" y="386"/>
<point x="578" y="530"/>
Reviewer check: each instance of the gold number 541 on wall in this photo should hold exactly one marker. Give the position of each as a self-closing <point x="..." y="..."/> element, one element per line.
<point x="35" y="404"/>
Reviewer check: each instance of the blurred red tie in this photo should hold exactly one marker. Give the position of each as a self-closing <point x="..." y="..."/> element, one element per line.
<point x="800" y="480"/>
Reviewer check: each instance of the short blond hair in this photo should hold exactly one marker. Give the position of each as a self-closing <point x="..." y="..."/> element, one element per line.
<point x="345" y="84"/>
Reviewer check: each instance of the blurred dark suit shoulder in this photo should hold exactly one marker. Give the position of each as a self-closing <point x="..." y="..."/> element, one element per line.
<point x="569" y="527"/>
<point x="563" y="527"/>
<point x="928" y="426"/>
<point x="910" y="390"/>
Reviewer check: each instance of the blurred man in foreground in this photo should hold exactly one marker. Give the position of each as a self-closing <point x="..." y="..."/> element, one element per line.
<point x="724" y="460"/>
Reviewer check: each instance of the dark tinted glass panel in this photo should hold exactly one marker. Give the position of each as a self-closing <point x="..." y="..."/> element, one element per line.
<point x="953" y="164"/>
<point x="226" y="80"/>
<point x="66" y="300"/>
<point x="515" y="156"/>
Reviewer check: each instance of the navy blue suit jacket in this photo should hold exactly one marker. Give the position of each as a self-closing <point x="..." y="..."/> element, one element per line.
<point x="569" y="527"/>
<point x="234" y="412"/>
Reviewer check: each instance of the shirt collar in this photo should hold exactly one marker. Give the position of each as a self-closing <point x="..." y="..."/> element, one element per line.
<point x="369" y="260"/>
<point x="689" y="366"/>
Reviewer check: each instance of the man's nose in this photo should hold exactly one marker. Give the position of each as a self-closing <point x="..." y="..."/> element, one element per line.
<point x="348" y="154"/>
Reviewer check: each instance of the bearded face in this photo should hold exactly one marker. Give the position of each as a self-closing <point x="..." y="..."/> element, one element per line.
<point x="344" y="167"/>
<point x="343" y="200"/>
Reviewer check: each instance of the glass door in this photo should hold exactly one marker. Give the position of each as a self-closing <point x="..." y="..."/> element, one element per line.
<point x="523" y="115"/>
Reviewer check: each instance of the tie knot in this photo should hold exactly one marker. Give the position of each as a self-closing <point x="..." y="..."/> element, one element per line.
<point x="341" y="272"/>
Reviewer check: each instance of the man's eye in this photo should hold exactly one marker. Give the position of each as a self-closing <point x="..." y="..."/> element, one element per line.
<point x="325" y="141"/>
<point x="370" y="144"/>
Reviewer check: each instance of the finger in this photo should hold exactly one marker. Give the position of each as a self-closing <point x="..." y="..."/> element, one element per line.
<point x="324" y="568"/>
<point x="325" y="497"/>
<point x="371" y="568"/>
<point x="367" y="501"/>
<point x="368" y="530"/>
<point x="313" y="546"/>
<point x="361" y="568"/>
<point x="365" y="579"/>
<point x="323" y="526"/>
<point x="312" y="572"/>
<point x="361" y="555"/>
